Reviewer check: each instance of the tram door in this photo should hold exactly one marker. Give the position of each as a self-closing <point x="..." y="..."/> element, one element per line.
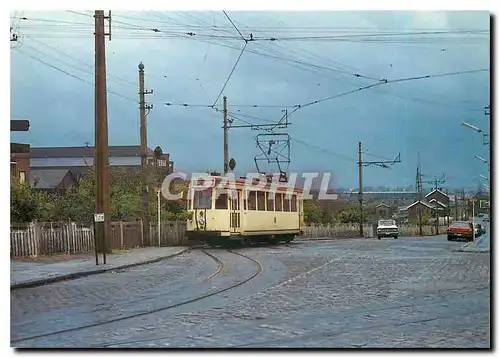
<point x="234" y="210"/>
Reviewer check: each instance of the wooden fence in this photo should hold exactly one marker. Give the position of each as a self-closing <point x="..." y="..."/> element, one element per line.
<point x="38" y="239"/>
<point x="352" y="230"/>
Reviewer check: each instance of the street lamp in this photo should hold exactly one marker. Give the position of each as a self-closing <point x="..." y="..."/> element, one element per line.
<point x="479" y="130"/>
<point x="481" y="159"/>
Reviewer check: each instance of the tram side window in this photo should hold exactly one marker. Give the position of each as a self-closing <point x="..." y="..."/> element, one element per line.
<point x="261" y="201"/>
<point x="270" y="201"/>
<point x="294" y="202"/>
<point x="236" y="200"/>
<point x="286" y="203"/>
<point x="279" y="204"/>
<point x="221" y="201"/>
<point x="203" y="199"/>
<point x="252" y="200"/>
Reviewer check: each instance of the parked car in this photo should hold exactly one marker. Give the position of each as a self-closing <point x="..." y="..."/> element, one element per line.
<point x="460" y="229"/>
<point x="387" y="228"/>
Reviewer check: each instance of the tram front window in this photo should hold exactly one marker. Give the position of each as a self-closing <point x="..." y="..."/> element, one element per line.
<point x="202" y="199"/>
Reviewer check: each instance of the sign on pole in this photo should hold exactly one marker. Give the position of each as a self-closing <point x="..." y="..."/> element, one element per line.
<point x="484" y="204"/>
<point x="99" y="217"/>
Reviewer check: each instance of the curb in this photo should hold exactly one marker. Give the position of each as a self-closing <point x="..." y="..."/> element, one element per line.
<point x="75" y="275"/>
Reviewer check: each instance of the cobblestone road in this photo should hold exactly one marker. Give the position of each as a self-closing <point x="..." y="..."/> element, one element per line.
<point x="410" y="292"/>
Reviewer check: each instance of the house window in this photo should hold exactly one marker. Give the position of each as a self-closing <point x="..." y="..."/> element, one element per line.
<point x="22" y="177"/>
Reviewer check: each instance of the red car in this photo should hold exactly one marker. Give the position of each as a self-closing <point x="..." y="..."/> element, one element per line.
<point x="460" y="229"/>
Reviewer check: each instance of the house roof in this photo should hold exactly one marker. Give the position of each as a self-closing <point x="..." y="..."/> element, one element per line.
<point x="438" y="191"/>
<point x="72" y="152"/>
<point x="19" y="148"/>
<point x="421" y="202"/>
<point x="437" y="201"/>
<point x="47" y="178"/>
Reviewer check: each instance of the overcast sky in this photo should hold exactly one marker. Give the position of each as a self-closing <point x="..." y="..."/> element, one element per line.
<point x="316" y="55"/>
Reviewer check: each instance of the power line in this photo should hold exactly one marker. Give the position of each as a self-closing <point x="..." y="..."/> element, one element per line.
<point x="230" y="73"/>
<point x="116" y="78"/>
<point x="232" y="23"/>
<point x="70" y="74"/>
<point x="383" y="82"/>
<point x="299" y="106"/>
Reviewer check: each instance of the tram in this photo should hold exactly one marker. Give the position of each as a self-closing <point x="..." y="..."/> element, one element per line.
<point x="223" y="214"/>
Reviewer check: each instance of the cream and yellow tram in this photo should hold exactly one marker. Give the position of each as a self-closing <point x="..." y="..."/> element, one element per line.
<point x="219" y="215"/>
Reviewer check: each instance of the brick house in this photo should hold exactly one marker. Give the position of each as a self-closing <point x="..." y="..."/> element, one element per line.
<point x="20" y="161"/>
<point x="482" y="204"/>
<point x="383" y="211"/>
<point x="438" y="195"/>
<point x="425" y="208"/>
<point x="80" y="159"/>
<point x="19" y="153"/>
<point x="53" y="180"/>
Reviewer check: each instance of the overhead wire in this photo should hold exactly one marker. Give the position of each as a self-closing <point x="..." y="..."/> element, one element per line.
<point x="398" y="80"/>
<point x="71" y="75"/>
<point x="235" y="64"/>
<point x="277" y="57"/>
<point x="232" y="23"/>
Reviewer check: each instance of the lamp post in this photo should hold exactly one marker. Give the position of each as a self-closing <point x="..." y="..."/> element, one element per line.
<point x="479" y="130"/>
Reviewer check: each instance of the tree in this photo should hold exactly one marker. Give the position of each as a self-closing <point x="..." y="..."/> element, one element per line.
<point x="312" y="212"/>
<point x="23" y="206"/>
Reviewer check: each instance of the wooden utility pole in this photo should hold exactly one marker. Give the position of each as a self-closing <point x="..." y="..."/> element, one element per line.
<point x="360" y="191"/>
<point x="144" y="155"/>
<point x="101" y="133"/>
<point x="225" y="127"/>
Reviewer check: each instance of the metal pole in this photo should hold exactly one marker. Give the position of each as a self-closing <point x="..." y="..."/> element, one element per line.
<point x="226" y="154"/>
<point x="101" y="131"/>
<point x="419" y="189"/>
<point x="360" y="192"/>
<point x="159" y="217"/>
<point x="473" y="227"/>
<point x="456" y="208"/>
<point x="144" y="154"/>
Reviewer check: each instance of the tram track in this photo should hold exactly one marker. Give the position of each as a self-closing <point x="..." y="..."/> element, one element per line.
<point x="220" y="265"/>
<point x="161" y="309"/>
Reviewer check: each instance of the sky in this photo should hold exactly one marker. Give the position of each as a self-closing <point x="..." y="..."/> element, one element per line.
<point x="314" y="57"/>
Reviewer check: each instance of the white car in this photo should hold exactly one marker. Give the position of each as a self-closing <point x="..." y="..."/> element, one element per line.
<point x="387" y="228"/>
